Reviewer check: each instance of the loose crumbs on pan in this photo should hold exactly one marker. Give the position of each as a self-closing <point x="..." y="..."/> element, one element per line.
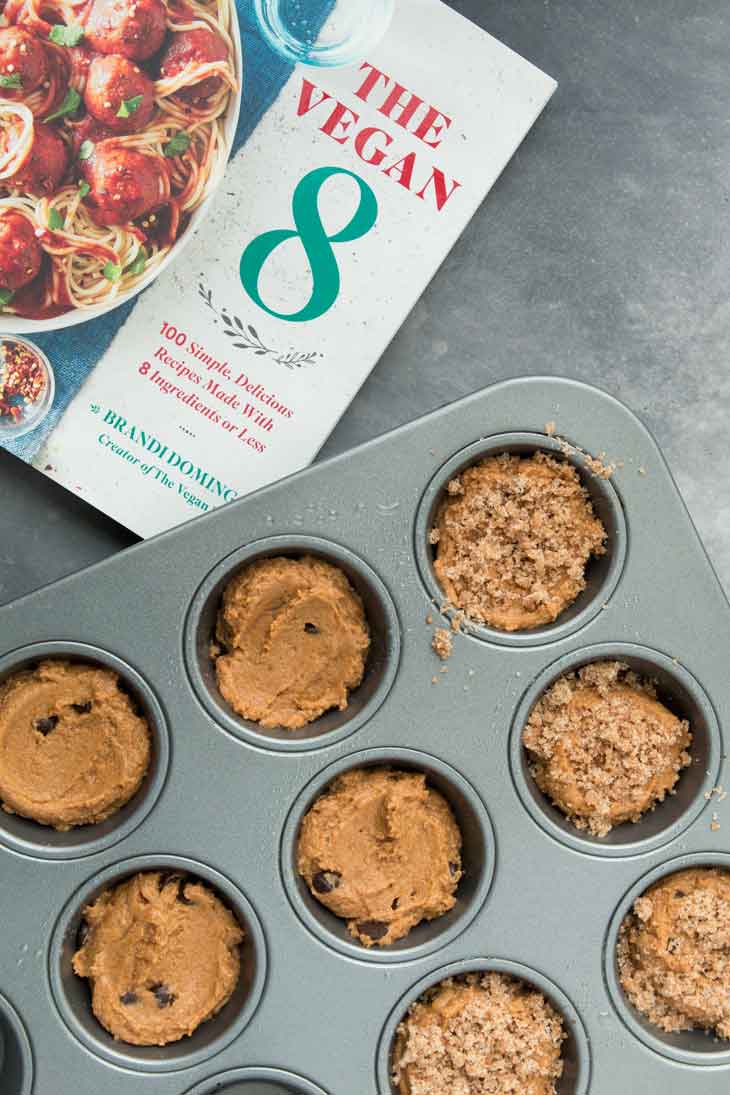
<point x="512" y="539"/>
<point x="481" y="1034"/>
<point x="603" y="748"/>
<point x="674" y="951"/>
<point x="442" y="642"/>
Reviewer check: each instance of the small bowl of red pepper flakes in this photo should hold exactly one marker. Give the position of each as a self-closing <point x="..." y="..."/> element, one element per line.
<point x="27" y="386"/>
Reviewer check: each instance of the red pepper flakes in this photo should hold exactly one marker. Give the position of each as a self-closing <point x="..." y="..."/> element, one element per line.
<point x="22" y="379"/>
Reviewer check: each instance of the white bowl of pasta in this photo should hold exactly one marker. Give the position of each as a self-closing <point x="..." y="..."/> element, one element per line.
<point x="116" y="123"/>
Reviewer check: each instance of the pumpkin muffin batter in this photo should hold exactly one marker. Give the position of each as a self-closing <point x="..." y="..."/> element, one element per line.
<point x="513" y="538"/>
<point x="483" y="1034"/>
<point x="72" y="748"/>
<point x="381" y="849"/>
<point x="292" y="640"/>
<point x="603" y="748"/>
<point x="674" y="951"/>
<point x="161" y="952"/>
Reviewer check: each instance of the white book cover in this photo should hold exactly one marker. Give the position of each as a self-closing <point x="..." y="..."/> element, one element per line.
<point x="232" y="369"/>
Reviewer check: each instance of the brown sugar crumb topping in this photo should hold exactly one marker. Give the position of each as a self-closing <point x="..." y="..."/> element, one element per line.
<point x="674" y="951"/>
<point x="442" y="643"/>
<point x="483" y="1034"/>
<point x="513" y="538"/>
<point x="602" y="746"/>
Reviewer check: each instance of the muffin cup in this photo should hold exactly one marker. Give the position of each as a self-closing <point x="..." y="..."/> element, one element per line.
<point x="576" y="1052"/>
<point x="31" y="838"/>
<point x="478" y="856"/>
<point x="72" y="995"/>
<point x="16" y="1059"/>
<point x="684" y="696"/>
<point x="687" y="1047"/>
<point x="602" y="573"/>
<point x="380" y="668"/>
<point x="255" y="1081"/>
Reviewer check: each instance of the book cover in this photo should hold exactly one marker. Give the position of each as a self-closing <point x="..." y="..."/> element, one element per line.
<point x="340" y="200"/>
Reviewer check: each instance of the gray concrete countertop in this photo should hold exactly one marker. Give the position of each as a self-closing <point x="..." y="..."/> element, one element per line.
<point x="602" y="253"/>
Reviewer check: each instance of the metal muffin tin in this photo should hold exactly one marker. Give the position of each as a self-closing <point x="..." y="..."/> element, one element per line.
<point x="315" y="1013"/>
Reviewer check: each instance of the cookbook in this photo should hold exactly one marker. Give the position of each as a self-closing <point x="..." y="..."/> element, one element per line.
<point x="344" y="191"/>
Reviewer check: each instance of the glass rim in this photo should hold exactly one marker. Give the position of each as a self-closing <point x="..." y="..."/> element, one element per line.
<point x="40" y="407"/>
<point x="376" y="19"/>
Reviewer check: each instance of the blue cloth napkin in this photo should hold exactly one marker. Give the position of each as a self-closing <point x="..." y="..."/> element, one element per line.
<point x="74" y="351"/>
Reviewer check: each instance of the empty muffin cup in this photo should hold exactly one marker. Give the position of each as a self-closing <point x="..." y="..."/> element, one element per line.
<point x="602" y="572"/>
<point x="256" y="1081"/>
<point x="29" y="837"/>
<point x="478" y="858"/>
<point x="16" y="1059"/>
<point x="72" y="996"/>
<point x="677" y="690"/>
<point x="575" y="1052"/>
<point x="380" y="665"/>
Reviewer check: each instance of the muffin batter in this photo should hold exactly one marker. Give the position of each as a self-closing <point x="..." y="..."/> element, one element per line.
<point x="603" y="748"/>
<point x="161" y="952"/>
<point x="382" y="850"/>
<point x="72" y="748"/>
<point x="292" y="640"/>
<point x="513" y="538"/>
<point x="674" y="951"/>
<point x="483" y="1034"/>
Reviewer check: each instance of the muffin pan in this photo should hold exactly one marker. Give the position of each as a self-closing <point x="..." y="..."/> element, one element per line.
<point x="314" y="1013"/>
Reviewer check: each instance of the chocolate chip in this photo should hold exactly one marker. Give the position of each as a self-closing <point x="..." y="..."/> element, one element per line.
<point x="82" y="708"/>
<point x="679" y="893"/>
<point x="128" y="998"/>
<point x="326" y="881"/>
<point x="394" y="903"/>
<point x="311" y="629"/>
<point x="373" y="929"/>
<point x="44" y="726"/>
<point x="162" y="994"/>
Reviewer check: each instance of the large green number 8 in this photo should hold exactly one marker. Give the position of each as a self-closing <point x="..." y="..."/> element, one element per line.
<point x="317" y="244"/>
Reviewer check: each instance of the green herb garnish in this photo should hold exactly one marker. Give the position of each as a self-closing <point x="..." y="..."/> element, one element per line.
<point x="177" y="144"/>
<point x="84" y="189"/>
<point x="129" y="106"/>
<point x="55" y="220"/>
<point x="6" y="295"/>
<point x="11" y="80"/>
<point x="112" y="272"/>
<point x="66" y="36"/>
<point x="138" y="264"/>
<point x="70" y="105"/>
<point x="86" y="150"/>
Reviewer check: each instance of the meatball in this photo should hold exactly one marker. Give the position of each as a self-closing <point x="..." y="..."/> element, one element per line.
<point x="20" y="251"/>
<point x="125" y="184"/>
<point x="22" y="55"/>
<point x="44" y="166"/>
<point x="112" y="82"/>
<point x="199" y="47"/>
<point x="87" y="129"/>
<point x="131" y="28"/>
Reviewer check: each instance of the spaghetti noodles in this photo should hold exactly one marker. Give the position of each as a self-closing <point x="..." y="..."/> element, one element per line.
<point x="105" y="148"/>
